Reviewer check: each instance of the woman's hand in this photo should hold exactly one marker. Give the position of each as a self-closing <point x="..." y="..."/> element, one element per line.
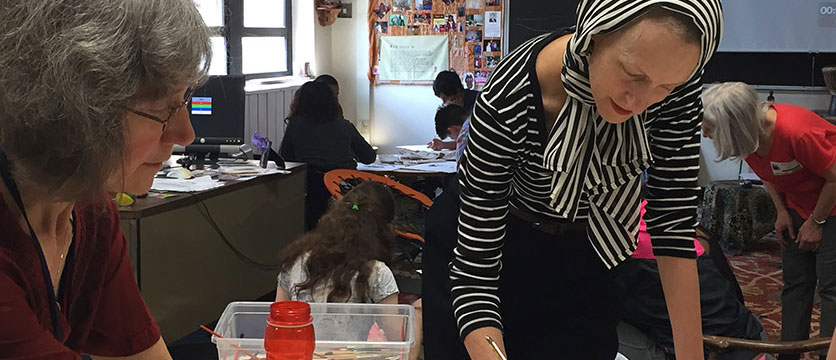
<point x="478" y="348"/>
<point x="435" y="144"/>
<point x="783" y="223"/>
<point x="809" y="236"/>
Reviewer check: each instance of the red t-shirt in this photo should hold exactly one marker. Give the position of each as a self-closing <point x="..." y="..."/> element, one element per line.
<point x="803" y="150"/>
<point x="102" y="312"/>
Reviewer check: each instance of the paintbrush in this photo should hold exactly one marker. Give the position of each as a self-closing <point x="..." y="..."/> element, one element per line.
<point x="495" y="348"/>
<point x="252" y="357"/>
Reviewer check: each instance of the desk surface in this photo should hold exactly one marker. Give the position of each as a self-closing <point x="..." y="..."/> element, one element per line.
<point x="150" y="205"/>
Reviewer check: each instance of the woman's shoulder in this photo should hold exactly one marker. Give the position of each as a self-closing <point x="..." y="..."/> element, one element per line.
<point x="382" y="282"/>
<point x="798" y="121"/>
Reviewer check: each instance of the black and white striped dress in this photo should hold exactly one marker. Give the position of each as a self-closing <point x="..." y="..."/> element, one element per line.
<point x="503" y="165"/>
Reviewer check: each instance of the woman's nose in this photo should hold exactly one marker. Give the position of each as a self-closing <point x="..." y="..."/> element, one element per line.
<point x="179" y="130"/>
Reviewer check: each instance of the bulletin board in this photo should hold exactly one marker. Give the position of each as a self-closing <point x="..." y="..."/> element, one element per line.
<point x="474" y="29"/>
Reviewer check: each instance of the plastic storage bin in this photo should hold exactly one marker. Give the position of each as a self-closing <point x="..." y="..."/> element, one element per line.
<point x="342" y="331"/>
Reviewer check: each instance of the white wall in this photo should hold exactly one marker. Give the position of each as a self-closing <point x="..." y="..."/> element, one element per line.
<point x="302" y="20"/>
<point x="711" y="170"/>
<point x="388" y="115"/>
<point x="403" y="115"/>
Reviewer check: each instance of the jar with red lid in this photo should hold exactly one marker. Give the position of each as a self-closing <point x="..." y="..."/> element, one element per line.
<point x="289" y="334"/>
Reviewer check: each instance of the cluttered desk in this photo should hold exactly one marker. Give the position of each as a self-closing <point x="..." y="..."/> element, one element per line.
<point x="226" y="224"/>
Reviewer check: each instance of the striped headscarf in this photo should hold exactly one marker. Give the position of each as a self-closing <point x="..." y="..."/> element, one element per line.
<point x="591" y="158"/>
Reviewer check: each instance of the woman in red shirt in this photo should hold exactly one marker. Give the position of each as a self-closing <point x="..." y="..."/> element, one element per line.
<point x="793" y="151"/>
<point x="92" y="102"/>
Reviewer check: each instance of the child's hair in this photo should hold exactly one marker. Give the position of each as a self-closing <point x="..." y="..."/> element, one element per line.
<point x="348" y="238"/>
<point x="447" y="83"/>
<point x="448" y="115"/>
<point x="316" y="101"/>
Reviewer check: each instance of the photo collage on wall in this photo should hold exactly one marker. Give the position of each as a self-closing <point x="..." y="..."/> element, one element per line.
<point x="474" y="28"/>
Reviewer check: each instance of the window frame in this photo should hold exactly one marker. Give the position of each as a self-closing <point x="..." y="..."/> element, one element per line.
<point x="234" y="30"/>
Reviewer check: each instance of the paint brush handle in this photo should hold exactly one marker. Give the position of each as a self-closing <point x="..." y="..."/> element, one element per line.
<point x="495" y="348"/>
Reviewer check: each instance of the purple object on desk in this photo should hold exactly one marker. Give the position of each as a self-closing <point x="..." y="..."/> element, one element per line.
<point x="260" y="141"/>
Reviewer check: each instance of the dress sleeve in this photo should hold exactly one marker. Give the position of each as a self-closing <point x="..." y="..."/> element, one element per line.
<point x="21" y="336"/>
<point x="286" y="150"/>
<point x="485" y="172"/>
<point x="672" y="189"/>
<point x="816" y="151"/>
<point x="361" y="148"/>
<point x="123" y="325"/>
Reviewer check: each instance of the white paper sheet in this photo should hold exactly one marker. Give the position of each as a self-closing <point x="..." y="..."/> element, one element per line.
<point x="447" y="167"/>
<point x="202" y="183"/>
<point x="493" y="24"/>
<point x="378" y="167"/>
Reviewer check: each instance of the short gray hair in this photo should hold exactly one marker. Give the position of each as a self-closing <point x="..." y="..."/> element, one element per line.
<point x="736" y="116"/>
<point x="69" y="70"/>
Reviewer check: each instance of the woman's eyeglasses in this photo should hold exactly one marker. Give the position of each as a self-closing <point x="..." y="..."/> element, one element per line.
<point x="187" y="96"/>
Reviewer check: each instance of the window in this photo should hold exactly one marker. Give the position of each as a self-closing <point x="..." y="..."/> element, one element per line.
<point x="256" y="37"/>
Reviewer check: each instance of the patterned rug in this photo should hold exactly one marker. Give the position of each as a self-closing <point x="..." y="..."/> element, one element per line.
<point x="758" y="270"/>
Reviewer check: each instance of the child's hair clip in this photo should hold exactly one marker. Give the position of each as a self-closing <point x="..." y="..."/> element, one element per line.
<point x="355" y="207"/>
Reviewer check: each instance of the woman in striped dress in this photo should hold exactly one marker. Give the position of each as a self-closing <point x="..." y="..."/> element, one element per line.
<point x="550" y="186"/>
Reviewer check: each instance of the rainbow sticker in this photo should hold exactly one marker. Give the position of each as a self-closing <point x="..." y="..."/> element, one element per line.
<point x="201" y="106"/>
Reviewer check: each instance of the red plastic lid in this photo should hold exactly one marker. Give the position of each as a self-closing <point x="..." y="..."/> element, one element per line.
<point x="290" y="314"/>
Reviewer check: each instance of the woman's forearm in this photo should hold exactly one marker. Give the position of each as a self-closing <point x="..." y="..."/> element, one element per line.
<point x="680" y="283"/>
<point x="826" y="201"/>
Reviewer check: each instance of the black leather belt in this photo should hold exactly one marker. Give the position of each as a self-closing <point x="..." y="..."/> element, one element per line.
<point x="548" y="226"/>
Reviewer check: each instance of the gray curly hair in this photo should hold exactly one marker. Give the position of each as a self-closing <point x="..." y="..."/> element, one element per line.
<point x="736" y="116"/>
<point x="69" y="70"/>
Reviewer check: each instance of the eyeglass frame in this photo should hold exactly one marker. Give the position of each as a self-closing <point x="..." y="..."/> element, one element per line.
<point x="186" y="98"/>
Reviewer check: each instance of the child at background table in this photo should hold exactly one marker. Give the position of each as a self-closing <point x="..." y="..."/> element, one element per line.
<point x="343" y="260"/>
<point x="451" y="121"/>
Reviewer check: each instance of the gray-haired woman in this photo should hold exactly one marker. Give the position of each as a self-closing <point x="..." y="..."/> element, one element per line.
<point x="91" y="103"/>
<point x="793" y="151"/>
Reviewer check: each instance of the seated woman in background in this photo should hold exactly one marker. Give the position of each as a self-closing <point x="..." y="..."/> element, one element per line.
<point x="317" y="134"/>
<point x="92" y="103"/>
<point x="793" y="151"/>
<point x="344" y="258"/>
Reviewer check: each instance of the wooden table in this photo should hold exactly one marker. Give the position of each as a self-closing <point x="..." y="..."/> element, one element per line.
<point x="187" y="271"/>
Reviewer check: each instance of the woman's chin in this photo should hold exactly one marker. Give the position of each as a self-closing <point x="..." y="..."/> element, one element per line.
<point x="138" y="183"/>
<point x="613" y="118"/>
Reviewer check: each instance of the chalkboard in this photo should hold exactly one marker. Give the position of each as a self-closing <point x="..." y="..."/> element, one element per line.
<point x="531" y="18"/>
<point x="528" y="18"/>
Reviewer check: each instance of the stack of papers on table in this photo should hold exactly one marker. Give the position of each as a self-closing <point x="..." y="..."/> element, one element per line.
<point x="201" y="183"/>
<point x="378" y="167"/>
<point x="447" y="167"/>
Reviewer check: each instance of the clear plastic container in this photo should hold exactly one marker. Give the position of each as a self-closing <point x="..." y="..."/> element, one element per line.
<point x="342" y="331"/>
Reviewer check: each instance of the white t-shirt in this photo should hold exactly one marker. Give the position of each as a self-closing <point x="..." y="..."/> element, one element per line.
<point x="381" y="281"/>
